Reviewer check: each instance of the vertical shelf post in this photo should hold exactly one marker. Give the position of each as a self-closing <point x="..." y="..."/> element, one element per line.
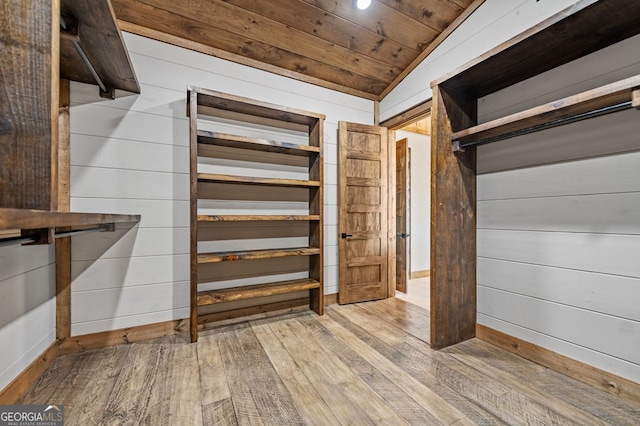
<point x="453" y="223"/>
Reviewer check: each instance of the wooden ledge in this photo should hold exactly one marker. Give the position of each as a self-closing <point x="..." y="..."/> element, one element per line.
<point x="603" y="99"/>
<point x="259" y="290"/>
<point x="39" y="219"/>
<point x="231" y="256"/>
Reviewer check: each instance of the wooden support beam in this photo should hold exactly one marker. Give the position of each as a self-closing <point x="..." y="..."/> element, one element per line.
<point x="63" y="245"/>
<point x="453" y="224"/>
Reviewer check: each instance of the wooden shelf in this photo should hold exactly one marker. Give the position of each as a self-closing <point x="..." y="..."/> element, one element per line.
<point x="580" y="29"/>
<point x="247" y="218"/>
<point x="238" y="104"/>
<point x="245" y="180"/>
<point x="99" y="37"/>
<point x="260" y="290"/>
<point x="569" y="109"/>
<point x="265" y="145"/>
<point x="308" y="156"/>
<point x="230" y="256"/>
<point x="39" y="219"/>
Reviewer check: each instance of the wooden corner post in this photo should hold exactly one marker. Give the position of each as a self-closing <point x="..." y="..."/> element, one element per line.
<point x="453" y="222"/>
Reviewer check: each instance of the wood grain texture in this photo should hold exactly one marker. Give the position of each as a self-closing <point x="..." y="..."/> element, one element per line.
<point x="260" y="218"/>
<point x="122" y="336"/>
<point x="582" y="372"/>
<point x="570" y="34"/>
<point x="257" y="246"/>
<point x="595" y="99"/>
<point x="330" y="43"/>
<point x="363" y="201"/>
<point x="242" y="142"/>
<point x="36" y="219"/>
<point x="249" y="292"/>
<point x="246" y="180"/>
<point x="256" y="254"/>
<point x="453" y="225"/>
<point x="403" y="218"/>
<point x="357" y="364"/>
<point x="28" y="105"/>
<point x="63" y="246"/>
<point x="101" y="42"/>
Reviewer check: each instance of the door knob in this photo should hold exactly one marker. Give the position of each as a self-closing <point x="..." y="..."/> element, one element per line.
<point x="345" y="235"/>
<point x="402" y="235"/>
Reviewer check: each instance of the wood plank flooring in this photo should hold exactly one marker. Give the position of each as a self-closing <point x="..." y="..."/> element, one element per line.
<point x="358" y="364"/>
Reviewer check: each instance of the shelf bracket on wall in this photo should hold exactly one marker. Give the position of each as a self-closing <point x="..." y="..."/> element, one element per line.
<point x="69" y="31"/>
<point x="635" y="99"/>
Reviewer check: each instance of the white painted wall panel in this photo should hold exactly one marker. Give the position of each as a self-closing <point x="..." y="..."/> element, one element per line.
<point x="495" y="22"/>
<point x="580" y="289"/>
<point x="615" y="213"/>
<point x="559" y="222"/>
<point x="27" y="307"/>
<point x="565" y="322"/>
<point x="130" y="155"/>
<point x="103" y="274"/>
<point x="601" y="175"/>
<point x="603" y="253"/>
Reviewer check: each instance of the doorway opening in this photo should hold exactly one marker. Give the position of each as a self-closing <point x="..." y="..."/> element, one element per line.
<point x="413" y="211"/>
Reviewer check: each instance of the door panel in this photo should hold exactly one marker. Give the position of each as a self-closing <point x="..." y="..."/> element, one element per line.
<point x="402" y="214"/>
<point x="363" y="212"/>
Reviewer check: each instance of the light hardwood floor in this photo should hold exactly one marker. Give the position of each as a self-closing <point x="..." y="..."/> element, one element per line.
<point x="358" y="364"/>
<point x="418" y="292"/>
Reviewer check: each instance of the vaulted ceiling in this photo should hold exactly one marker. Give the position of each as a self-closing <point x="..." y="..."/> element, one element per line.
<point x="326" y="42"/>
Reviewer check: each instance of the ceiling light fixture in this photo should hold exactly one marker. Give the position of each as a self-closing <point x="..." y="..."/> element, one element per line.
<point x="363" y="4"/>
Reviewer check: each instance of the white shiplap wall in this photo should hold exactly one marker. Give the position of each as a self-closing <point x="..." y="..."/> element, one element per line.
<point x="27" y="307"/>
<point x="559" y="221"/>
<point x="495" y="22"/>
<point x="131" y="156"/>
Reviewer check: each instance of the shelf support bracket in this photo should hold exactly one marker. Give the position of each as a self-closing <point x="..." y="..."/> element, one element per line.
<point x="456" y="147"/>
<point x="635" y="99"/>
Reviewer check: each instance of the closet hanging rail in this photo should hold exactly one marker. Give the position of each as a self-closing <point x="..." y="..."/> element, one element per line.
<point x="614" y="97"/>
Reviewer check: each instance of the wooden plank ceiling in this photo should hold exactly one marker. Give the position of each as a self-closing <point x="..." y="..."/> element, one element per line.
<point x="326" y="42"/>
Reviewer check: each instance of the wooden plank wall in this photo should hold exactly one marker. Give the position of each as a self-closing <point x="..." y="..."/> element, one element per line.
<point x="131" y="156"/>
<point x="27" y="274"/>
<point x="490" y="25"/>
<point x="559" y="222"/>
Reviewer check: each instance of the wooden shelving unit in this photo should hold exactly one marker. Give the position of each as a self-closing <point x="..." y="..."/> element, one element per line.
<point x="204" y="143"/>
<point x="581" y="29"/>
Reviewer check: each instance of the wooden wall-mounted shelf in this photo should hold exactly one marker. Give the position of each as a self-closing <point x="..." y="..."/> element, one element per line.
<point x="25" y="226"/>
<point x="94" y="28"/>
<point x="602" y="100"/>
<point x="581" y="29"/>
<point x="38" y="219"/>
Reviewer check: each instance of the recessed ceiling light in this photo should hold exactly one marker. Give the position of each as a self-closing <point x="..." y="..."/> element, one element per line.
<point x="363" y="4"/>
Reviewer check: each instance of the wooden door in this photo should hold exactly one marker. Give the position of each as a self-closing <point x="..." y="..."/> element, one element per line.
<point x="403" y="198"/>
<point x="363" y="213"/>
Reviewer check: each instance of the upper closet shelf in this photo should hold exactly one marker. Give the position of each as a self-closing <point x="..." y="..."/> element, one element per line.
<point x="606" y="99"/>
<point x="92" y="49"/>
<point x="249" y="107"/>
